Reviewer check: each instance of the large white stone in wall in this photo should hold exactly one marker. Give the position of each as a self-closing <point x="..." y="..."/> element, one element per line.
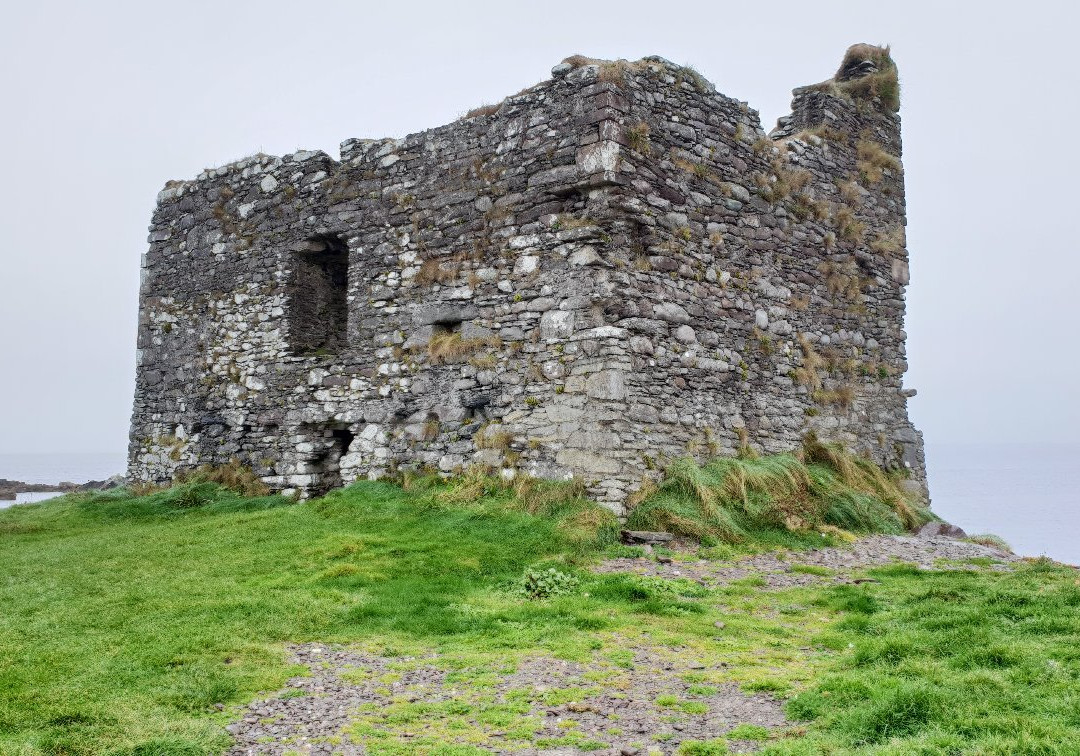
<point x="606" y="384"/>
<point x="587" y="461"/>
<point x="671" y="312"/>
<point x="602" y="156"/>
<point x="556" y="324"/>
<point x="526" y="264"/>
<point x="562" y="413"/>
<point x="584" y="256"/>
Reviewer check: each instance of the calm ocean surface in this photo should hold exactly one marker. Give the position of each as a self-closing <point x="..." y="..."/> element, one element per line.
<point x="1027" y="494"/>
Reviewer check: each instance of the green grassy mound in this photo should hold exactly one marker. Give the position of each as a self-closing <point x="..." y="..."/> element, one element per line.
<point x="949" y="662"/>
<point x="139" y="624"/>
<point x="124" y="615"/>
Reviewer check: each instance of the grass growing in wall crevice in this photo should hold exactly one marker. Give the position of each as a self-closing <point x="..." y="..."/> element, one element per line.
<point x="821" y="487"/>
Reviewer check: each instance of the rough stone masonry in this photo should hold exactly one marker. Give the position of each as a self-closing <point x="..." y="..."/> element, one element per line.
<point x="611" y="269"/>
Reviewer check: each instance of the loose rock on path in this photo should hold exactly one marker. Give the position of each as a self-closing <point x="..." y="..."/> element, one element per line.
<point x="782" y="569"/>
<point x="311" y="716"/>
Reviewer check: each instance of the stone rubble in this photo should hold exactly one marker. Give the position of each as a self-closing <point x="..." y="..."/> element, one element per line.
<point x="925" y="552"/>
<point x="312" y="714"/>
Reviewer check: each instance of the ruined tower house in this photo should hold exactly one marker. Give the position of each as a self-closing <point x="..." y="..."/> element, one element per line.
<point x="613" y="268"/>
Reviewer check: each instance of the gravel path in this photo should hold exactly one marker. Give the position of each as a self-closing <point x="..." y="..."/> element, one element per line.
<point x="647" y="701"/>
<point x="310" y="715"/>
<point x="783" y="570"/>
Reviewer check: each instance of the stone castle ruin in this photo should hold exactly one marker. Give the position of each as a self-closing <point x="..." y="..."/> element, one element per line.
<point x="611" y="269"/>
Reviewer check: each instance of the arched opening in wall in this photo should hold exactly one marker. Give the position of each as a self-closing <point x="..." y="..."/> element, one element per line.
<point x="318" y="314"/>
<point x="329" y="444"/>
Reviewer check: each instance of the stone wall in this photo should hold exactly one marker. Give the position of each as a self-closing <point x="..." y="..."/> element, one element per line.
<point x="608" y="270"/>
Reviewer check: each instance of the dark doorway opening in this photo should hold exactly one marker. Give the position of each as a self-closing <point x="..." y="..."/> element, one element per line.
<point x="331" y="444"/>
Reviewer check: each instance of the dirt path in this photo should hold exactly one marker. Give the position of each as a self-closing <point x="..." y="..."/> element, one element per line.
<point x="835" y="563"/>
<point x="643" y="706"/>
<point x="553" y="697"/>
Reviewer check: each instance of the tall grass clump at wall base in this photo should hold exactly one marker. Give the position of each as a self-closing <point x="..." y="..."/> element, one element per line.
<point x="582" y="523"/>
<point x="232" y="475"/>
<point x="820" y="486"/>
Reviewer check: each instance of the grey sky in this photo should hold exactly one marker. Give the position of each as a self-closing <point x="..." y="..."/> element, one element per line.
<point x="104" y="102"/>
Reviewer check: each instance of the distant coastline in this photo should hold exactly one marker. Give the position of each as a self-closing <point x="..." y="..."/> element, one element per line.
<point x="26" y="473"/>
<point x="55" y="467"/>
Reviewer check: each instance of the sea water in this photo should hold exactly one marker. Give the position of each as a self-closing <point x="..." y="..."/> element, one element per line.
<point x="1029" y="494"/>
<point x="59" y="468"/>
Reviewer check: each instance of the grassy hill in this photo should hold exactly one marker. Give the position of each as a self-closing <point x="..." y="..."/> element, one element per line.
<point x="142" y="624"/>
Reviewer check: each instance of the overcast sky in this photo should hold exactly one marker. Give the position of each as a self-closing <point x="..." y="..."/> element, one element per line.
<point x="104" y="102"/>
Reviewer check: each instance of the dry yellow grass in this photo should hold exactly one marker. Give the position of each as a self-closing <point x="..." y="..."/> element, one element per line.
<point x="800" y="302"/>
<point x="783" y="182"/>
<point x="493" y="437"/>
<point x="233" y="475"/>
<point x="874" y="161"/>
<point x="698" y="169"/>
<point x="436" y="271"/>
<point x="449" y="346"/>
<point x="848" y="226"/>
<point x="850" y="192"/>
<point x="484" y="110"/>
<point x="842" y="396"/>
<point x="842" y="279"/>
<point x="808" y="374"/>
<point x="889" y="242"/>
<point x="823" y="132"/>
<point x="609" y="71"/>
<point x="637" y="138"/>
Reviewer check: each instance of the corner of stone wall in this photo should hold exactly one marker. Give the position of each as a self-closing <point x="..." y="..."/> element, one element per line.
<point x="610" y="269"/>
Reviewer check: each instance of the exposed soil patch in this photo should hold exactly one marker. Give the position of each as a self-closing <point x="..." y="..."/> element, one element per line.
<point x="544" y="706"/>
<point x="785" y="570"/>
<point x="647" y="698"/>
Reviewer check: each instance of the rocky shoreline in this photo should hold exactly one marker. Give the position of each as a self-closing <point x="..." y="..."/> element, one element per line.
<point x="9" y="488"/>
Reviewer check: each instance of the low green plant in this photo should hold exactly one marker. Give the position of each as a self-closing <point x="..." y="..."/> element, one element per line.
<point x="748" y="732"/>
<point x="543" y="584"/>
<point x="811" y="569"/>
<point x="715" y="747"/>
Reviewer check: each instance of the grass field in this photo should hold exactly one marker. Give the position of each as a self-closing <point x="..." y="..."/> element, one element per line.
<point x="138" y="625"/>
